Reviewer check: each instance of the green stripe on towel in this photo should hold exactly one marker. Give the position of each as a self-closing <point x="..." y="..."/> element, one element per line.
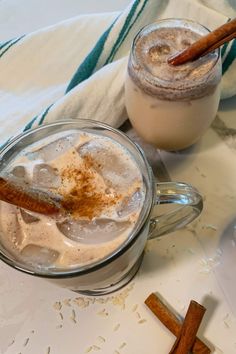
<point x="124" y="31"/>
<point x="29" y="125"/>
<point x="44" y="115"/>
<point x="88" y="65"/>
<point x="231" y="56"/>
<point x="12" y="42"/>
<point x="3" y="44"/>
<point x="114" y="50"/>
<point x="5" y="144"/>
<point x="224" y="49"/>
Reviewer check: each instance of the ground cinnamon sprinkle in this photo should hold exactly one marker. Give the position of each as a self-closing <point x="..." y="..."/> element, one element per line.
<point x="85" y="199"/>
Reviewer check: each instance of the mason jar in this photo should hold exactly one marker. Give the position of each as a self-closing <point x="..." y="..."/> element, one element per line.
<point x="171" y="106"/>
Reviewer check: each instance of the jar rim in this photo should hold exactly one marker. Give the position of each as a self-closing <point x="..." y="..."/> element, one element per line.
<point x="155" y="81"/>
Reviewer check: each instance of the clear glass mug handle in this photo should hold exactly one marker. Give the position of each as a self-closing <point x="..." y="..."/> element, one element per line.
<point x="185" y="196"/>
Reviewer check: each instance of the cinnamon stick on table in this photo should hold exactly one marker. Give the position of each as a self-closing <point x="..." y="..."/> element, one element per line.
<point x="192" y="321"/>
<point x="172" y="322"/>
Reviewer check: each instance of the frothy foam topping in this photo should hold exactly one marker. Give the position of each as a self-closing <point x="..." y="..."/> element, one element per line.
<point x="151" y="71"/>
<point x="100" y="184"/>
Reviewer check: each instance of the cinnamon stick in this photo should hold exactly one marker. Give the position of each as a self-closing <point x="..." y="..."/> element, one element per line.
<point x="221" y="42"/>
<point x="192" y="321"/>
<point x="33" y="200"/>
<point x="172" y="322"/>
<point x="205" y="44"/>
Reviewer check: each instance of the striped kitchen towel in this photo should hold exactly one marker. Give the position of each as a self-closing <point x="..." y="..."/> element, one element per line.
<point x="76" y="69"/>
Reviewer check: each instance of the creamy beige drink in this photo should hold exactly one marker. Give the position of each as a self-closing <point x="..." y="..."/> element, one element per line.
<point x="102" y="186"/>
<point x="171" y="106"/>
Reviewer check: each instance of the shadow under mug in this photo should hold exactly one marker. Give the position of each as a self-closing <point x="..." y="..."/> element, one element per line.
<point x="118" y="268"/>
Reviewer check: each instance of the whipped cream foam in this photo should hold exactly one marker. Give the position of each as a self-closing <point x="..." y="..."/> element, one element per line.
<point x="152" y="73"/>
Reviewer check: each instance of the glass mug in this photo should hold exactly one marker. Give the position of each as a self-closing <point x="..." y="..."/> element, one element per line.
<point x="118" y="268"/>
<point x="171" y="107"/>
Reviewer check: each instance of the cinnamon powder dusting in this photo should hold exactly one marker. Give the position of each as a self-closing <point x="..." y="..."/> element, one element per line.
<point x="85" y="198"/>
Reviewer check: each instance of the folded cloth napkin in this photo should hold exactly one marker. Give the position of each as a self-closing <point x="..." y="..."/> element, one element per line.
<point x="76" y="69"/>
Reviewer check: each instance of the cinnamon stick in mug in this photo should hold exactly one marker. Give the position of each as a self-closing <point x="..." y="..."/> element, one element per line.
<point x="33" y="200"/>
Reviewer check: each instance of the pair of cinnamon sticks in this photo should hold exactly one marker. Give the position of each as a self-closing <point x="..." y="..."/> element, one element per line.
<point x="185" y="332"/>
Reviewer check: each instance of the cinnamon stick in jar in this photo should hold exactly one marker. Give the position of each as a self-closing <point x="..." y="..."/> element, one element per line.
<point x="205" y="44"/>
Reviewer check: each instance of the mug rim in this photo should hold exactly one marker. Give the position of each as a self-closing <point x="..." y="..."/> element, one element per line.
<point x="141" y="223"/>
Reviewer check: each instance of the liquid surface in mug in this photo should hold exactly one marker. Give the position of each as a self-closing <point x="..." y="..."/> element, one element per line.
<point x="104" y="185"/>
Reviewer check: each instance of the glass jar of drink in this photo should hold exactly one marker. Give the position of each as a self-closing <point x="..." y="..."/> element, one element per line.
<point x="171" y="106"/>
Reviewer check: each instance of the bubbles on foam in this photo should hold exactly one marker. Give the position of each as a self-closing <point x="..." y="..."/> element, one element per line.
<point x="185" y="42"/>
<point x="155" y="47"/>
<point x="158" y="52"/>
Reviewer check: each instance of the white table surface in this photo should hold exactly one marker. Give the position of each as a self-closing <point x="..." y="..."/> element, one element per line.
<point x="196" y="263"/>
